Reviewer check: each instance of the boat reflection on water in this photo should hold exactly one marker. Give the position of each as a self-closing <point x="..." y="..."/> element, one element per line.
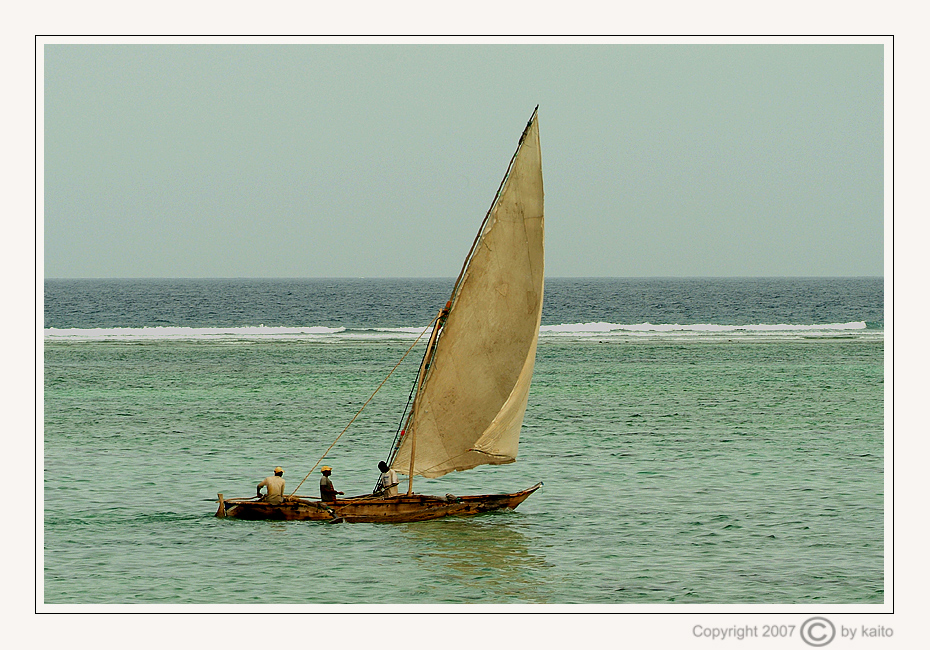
<point x="488" y="557"/>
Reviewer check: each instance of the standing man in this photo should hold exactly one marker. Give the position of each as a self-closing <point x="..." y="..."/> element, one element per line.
<point x="327" y="491"/>
<point x="388" y="480"/>
<point x="274" y="487"/>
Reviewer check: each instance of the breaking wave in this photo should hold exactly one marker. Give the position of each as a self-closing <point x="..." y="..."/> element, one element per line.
<point x="709" y="331"/>
<point x="702" y="330"/>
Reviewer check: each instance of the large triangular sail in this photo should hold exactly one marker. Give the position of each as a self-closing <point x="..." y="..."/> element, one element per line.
<point x="470" y="406"/>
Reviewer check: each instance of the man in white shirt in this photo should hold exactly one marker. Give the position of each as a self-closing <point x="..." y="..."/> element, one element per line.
<point x="388" y="480"/>
<point x="274" y="487"/>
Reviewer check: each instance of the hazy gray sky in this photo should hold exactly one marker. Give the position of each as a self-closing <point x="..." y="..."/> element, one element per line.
<point x="381" y="160"/>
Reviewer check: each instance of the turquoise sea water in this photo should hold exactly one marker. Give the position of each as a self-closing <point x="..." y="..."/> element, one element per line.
<point x="702" y="465"/>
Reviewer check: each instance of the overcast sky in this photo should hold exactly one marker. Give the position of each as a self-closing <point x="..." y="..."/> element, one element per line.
<point x="381" y="160"/>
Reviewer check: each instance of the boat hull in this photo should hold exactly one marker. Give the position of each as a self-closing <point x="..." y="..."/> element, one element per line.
<point x="291" y="510"/>
<point x="399" y="509"/>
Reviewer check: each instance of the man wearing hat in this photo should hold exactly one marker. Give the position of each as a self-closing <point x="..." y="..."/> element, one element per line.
<point x="274" y="487"/>
<point x="327" y="491"/>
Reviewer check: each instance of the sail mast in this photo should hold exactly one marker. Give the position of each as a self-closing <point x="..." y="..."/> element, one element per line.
<point x="424" y="366"/>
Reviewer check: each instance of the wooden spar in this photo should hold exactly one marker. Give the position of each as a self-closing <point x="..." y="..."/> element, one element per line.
<point x="413" y="452"/>
<point x="427" y="358"/>
<point x="474" y="245"/>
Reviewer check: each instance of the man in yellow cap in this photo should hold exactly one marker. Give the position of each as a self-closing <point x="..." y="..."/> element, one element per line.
<point x="327" y="491"/>
<point x="274" y="487"/>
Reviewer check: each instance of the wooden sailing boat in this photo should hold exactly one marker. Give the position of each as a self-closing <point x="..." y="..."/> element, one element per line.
<point x="474" y="380"/>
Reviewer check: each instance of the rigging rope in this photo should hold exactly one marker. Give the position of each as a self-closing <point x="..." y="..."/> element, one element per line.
<point x="425" y="330"/>
<point x="395" y="443"/>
